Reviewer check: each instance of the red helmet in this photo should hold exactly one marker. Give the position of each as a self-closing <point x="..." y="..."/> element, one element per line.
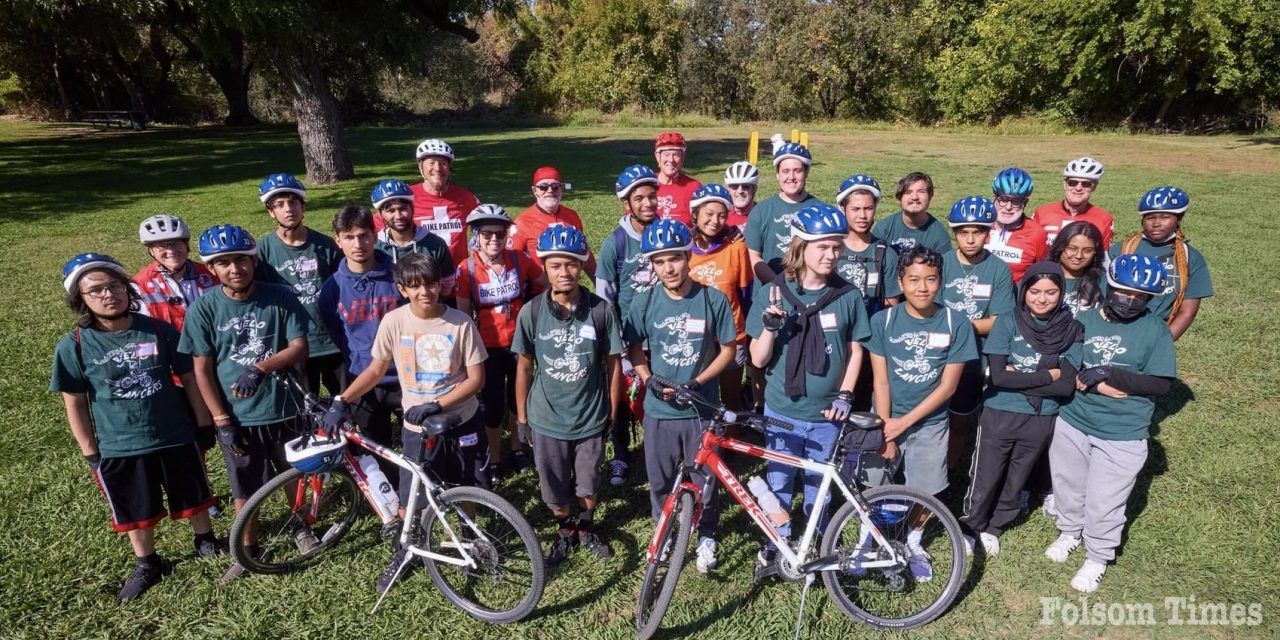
<point x="669" y="140"/>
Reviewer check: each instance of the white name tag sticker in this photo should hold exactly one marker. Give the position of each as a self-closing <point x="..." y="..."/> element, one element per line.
<point x="144" y="349"/>
<point x="982" y="291"/>
<point x="309" y="264"/>
<point x="695" y="325"/>
<point x="469" y="440"/>
<point x="873" y="278"/>
<point x="587" y="332"/>
<point x="828" y="320"/>
<point x="939" y="340"/>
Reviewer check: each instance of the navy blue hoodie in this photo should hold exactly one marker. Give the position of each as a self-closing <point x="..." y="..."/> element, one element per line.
<point x="352" y="306"/>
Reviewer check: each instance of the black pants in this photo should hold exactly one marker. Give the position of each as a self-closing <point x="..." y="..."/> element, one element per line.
<point x="330" y="370"/>
<point x="1007" y="447"/>
<point x="373" y="413"/>
<point x="620" y="434"/>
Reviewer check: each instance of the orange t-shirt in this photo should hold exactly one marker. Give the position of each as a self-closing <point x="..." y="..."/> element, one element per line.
<point x="501" y="295"/>
<point x="1054" y="216"/>
<point x="530" y="224"/>
<point x="729" y="271"/>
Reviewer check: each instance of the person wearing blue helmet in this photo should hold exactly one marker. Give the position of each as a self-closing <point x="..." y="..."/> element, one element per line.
<point x="806" y="327"/>
<point x="1100" y="436"/>
<point x="401" y="234"/>
<point x="1015" y="238"/>
<point x="115" y="372"/>
<point x="568" y="389"/>
<point x="912" y="224"/>
<point x="299" y="257"/>
<point x="979" y="286"/>
<point x="689" y="330"/>
<point x="238" y="335"/>
<point x="1162" y="237"/>
<point x="768" y="229"/>
<point x="623" y="274"/>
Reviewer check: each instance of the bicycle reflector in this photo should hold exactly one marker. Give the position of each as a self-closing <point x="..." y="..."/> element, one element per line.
<point x="889" y="512"/>
<point x="315" y="455"/>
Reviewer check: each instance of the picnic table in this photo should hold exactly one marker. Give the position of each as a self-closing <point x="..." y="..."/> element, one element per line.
<point x="108" y="118"/>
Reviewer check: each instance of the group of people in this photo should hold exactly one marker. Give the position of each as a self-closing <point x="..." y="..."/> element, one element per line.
<point x="1033" y="346"/>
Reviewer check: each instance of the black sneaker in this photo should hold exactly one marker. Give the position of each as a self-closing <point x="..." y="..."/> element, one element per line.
<point x="209" y="546"/>
<point x="560" y="549"/>
<point x="520" y="462"/>
<point x="594" y="544"/>
<point x="494" y="473"/>
<point x="391" y="531"/>
<point x="144" y="577"/>
<point x="397" y="558"/>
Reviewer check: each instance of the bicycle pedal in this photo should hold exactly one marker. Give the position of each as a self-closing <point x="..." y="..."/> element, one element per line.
<point x="765" y="572"/>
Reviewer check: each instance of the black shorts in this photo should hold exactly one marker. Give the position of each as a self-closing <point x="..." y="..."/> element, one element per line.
<point x="459" y="457"/>
<point x="968" y="395"/>
<point x="499" y="390"/>
<point x="263" y="459"/>
<point x="136" y="487"/>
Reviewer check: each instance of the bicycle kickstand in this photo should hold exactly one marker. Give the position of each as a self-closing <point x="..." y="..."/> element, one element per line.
<point x="804" y="594"/>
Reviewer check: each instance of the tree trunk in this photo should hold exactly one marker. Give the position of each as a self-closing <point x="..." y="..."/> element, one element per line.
<point x="324" y="147"/>
<point x="232" y="74"/>
<point x="63" y="97"/>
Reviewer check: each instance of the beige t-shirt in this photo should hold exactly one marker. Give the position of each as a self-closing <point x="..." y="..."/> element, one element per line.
<point x="431" y="356"/>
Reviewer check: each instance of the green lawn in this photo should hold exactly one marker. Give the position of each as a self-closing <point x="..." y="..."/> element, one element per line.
<point x="1206" y="504"/>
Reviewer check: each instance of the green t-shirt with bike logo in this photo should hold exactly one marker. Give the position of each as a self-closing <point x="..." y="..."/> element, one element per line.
<point x="1198" y="283"/>
<point x="128" y="379"/>
<point x="894" y="230"/>
<point x="979" y="290"/>
<point x="1143" y="346"/>
<point x="304" y="268"/>
<point x="684" y="336"/>
<point x="1071" y="296"/>
<point x="239" y="333"/>
<point x="569" y="399"/>
<point x="769" y="227"/>
<point x="916" y="350"/>
<point x="1006" y="339"/>
<point x="635" y="275"/>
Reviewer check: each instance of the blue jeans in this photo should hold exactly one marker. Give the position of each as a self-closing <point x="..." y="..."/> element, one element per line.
<point x="813" y="440"/>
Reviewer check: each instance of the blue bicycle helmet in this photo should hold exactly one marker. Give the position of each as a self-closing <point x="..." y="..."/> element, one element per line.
<point x="388" y="190"/>
<point x="632" y="177"/>
<point x="973" y="210"/>
<point x="710" y="192"/>
<point x="1166" y="199"/>
<point x="226" y="239"/>
<point x="316" y="454"/>
<point x="75" y="267"/>
<point x="819" y="221"/>
<point x="665" y="235"/>
<point x="792" y="150"/>
<point x="1013" y="182"/>
<point x="281" y="183"/>
<point x="563" y="240"/>
<point x="1133" y="272"/>
<point x="858" y="182"/>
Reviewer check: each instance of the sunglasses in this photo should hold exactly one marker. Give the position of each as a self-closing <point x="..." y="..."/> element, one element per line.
<point x="543" y="188"/>
<point x="486" y="234"/>
<point x="1088" y="184"/>
<point x="740" y="187"/>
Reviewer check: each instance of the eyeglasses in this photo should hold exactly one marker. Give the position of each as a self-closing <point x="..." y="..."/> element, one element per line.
<point x="487" y="234"/>
<point x="543" y="188"/>
<point x="168" y="245"/>
<point x="1087" y="184"/>
<point x="740" y="187"/>
<point x="1011" y="202"/>
<point x="1079" y="251"/>
<point x="99" y="292"/>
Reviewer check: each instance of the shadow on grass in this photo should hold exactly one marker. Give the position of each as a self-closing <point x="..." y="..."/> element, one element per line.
<point x="724" y="611"/>
<point x="1168" y="405"/>
<point x="630" y="553"/>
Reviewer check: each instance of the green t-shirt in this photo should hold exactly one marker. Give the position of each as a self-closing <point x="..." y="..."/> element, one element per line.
<point x="1071" y="295"/>
<point x="684" y="336"/>
<point x="569" y="398"/>
<point x="769" y="227"/>
<point x="636" y="275"/>
<point x="1143" y="346"/>
<point x="1198" y="283"/>
<point x="237" y="334"/>
<point x="844" y="320"/>
<point x="916" y="351"/>
<point x="1006" y="339"/>
<point x="896" y="232"/>
<point x="977" y="291"/>
<point x="860" y="269"/>
<point x="128" y="379"/>
<point x="304" y="268"/>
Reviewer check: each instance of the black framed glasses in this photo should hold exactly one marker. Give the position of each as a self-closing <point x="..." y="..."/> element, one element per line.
<point x="489" y="234"/>
<point x="1011" y="202"/>
<point x="99" y="292"/>
<point x="1087" y="184"/>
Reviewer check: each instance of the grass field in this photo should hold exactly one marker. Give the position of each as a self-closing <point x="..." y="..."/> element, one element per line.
<point x="1204" y="514"/>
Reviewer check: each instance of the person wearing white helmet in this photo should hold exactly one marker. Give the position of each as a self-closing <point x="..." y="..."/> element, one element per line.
<point x="742" y="179"/>
<point x="172" y="281"/>
<point x="1080" y="179"/>
<point x="439" y="205"/>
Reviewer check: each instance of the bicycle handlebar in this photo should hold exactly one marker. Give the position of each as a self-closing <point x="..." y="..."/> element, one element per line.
<point x="689" y="396"/>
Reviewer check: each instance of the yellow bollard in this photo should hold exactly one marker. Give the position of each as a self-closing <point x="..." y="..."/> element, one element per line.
<point x="753" y="147"/>
<point x="795" y="135"/>
<point x="804" y="139"/>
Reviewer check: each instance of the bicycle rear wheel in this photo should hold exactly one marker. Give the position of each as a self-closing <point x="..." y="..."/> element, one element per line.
<point x="506" y="583"/>
<point x="298" y="517"/>
<point x="663" y="570"/>
<point x="894" y="598"/>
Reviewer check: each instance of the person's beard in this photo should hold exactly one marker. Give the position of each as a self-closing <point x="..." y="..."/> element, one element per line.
<point x="550" y="204"/>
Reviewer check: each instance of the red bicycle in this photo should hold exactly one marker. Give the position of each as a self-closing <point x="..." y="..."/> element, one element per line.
<point x="874" y="551"/>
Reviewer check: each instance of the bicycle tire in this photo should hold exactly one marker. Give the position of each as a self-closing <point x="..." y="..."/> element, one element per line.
<point x="660" y="577"/>
<point x="272" y="508"/>
<point x="495" y="563"/>
<point x="933" y="603"/>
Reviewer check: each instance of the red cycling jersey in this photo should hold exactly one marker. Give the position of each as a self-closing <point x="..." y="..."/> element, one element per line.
<point x="500" y="296"/>
<point x="530" y="224"/>
<point x="738" y="218"/>
<point x="673" y="199"/>
<point x="167" y="298"/>
<point x="1019" y="248"/>
<point x="1054" y="216"/>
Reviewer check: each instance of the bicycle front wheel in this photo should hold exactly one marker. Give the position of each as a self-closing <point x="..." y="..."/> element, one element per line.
<point x="293" y="519"/>
<point x="911" y="593"/>
<point x="507" y="580"/>
<point x="663" y="571"/>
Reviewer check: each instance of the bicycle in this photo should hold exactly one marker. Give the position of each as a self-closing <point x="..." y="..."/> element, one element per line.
<point x="863" y="557"/>
<point x="478" y="549"/>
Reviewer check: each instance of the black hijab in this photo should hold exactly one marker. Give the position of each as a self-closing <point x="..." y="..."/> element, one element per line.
<point x="1052" y="336"/>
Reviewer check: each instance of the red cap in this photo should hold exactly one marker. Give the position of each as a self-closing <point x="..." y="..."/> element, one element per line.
<point x="546" y="173"/>
<point x="669" y="140"/>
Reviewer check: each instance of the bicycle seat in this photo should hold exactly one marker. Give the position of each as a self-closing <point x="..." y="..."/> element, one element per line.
<point x="440" y="423"/>
<point x="864" y="420"/>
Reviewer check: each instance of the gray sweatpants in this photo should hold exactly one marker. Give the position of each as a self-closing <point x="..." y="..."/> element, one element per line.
<point x="1092" y="480"/>
<point x="666" y="442"/>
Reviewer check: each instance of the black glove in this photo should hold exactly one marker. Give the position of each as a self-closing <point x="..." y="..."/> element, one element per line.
<point x="333" y="418"/>
<point x="233" y="440"/>
<point x="247" y="384"/>
<point x="841" y="406"/>
<point x="1093" y="375"/>
<point x="772" y="321"/>
<point x="687" y="385"/>
<point x="524" y="433"/>
<point x="652" y="385"/>
<point x="94" y="460"/>
<point x="206" y="437"/>
<point x="417" y="415"/>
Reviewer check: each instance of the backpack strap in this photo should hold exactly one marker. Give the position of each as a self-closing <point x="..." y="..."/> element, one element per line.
<point x="1181" y="266"/>
<point x="599" y="307"/>
<point x="619" y="252"/>
<point x="881" y="249"/>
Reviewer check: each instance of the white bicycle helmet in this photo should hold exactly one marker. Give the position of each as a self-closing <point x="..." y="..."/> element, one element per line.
<point x="434" y="147"/>
<point x="488" y="214"/>
<point x="163" y="227"/>
<point x="315" y="454"/>
<point x="742" y="172"/>
<point x="1086" y="168"/>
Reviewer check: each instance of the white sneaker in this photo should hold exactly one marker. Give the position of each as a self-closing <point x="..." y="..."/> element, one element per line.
<point x="968" y="543"/>
<point x="990" y="544"/>
<point x="1050" y="509"/>
<point x="1061" y="548"/>
<point x="706" y="554"/>
<point x="617" y="472"/>
<point x="1088" y="577"/>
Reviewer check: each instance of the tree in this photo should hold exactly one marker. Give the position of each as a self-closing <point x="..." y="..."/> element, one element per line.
<point x="216" y="44"/>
